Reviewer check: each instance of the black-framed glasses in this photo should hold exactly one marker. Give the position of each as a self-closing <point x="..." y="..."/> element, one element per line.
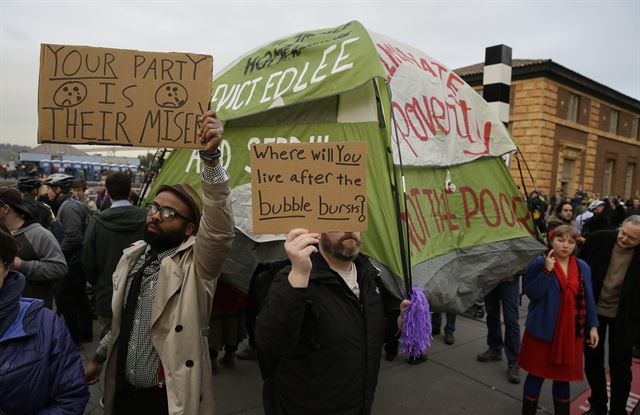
<point x="167" y="214"/>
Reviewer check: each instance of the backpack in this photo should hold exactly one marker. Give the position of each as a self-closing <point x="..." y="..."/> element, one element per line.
<point x="39" y="212"/>
<point x="82" y="211"/>
<point x="261" y="281"/>
<point x="58" y="229"/>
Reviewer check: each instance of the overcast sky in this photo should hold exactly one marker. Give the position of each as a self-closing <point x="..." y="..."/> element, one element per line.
<point x="598" y="39"/>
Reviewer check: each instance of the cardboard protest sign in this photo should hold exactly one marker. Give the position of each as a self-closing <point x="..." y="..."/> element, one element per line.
<point x="320" y="186"/>
<point x="89" y="95"/>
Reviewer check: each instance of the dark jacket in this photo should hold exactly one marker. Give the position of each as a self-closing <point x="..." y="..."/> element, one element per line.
<point x="617" y="215"/>
<point x="40" y="368"/>
<point x="108" y="234"/>
<point x="544" y="292"/>
<point x="73" y="218"/>
<point x="633" y="211"/>
<point x="324" y="342"/>
<point x="598" y="222"/>
<point x="40" y="212"/>
<point x="538" y="207"/>
<point x="596" y="251"/>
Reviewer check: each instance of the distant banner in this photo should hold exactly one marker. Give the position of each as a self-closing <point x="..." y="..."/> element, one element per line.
<point x="319" y="186"/>
<point x="89" y="95"/>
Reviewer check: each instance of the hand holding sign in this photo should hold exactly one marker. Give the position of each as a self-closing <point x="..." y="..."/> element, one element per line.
<point x="299" y="246"/>
<point x="210" y="132"/>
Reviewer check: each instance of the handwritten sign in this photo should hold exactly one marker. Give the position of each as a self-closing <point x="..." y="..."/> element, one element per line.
<point x="320" y="186"/>
<point x="90" y="95"/>
<point x="440" y="119"/>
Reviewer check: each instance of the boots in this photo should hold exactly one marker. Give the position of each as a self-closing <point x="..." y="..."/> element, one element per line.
<point x="561" y="406"/>
<point x="529" y="406"/>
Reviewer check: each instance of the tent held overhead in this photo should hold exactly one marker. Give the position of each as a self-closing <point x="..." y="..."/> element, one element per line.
<point x="441" y="202"/>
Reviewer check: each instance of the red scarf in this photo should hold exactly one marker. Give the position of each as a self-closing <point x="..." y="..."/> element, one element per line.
<point x="562" y="346"/>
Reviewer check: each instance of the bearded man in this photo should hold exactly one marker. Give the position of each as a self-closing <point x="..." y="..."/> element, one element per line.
<point x="320" y="330"/>
<point x="156" y="355"/>
<point x="562" y="215"/>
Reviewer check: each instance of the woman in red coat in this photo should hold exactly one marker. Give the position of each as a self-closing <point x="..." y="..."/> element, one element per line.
<point x="561" y="310"/>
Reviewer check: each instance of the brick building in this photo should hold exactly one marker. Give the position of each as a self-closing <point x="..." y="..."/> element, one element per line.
<point x="574" y="133"/>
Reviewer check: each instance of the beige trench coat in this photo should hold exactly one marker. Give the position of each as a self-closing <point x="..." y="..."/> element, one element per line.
<point x="181" y="308"/>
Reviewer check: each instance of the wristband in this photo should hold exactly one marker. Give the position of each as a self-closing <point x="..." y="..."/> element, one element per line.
<point x="210" y="156"/>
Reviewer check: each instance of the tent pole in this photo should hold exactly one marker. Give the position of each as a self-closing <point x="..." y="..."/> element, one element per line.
<point x="533" y="179"/>
<point x="151" y="173"/>
<point x="404" y="244"/>
<point x="526" y="195"/>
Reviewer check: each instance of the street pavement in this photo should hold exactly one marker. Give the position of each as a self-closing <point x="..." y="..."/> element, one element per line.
<point x="450" y="382"/>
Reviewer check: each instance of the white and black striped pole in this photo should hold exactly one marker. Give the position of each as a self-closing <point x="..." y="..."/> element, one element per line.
<point x="496" y="82"/>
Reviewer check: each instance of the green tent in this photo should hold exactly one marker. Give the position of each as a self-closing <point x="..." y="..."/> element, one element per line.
<point x="441" y="202"/>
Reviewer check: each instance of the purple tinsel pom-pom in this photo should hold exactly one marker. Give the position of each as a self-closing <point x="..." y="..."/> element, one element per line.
<point x="416" y="330"/>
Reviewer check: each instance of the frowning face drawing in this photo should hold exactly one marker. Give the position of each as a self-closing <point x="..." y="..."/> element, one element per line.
<point x="171" y="95"/>
<point x="70" y="94"/>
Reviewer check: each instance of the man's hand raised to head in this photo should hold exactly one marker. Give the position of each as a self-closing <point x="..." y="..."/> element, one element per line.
<point x="210" y="131"/>
<point x="300" y="244"/>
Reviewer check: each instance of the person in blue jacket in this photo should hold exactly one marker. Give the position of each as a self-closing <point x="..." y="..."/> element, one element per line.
<point x="562" y="316"/>
<point x="40" y="368"/>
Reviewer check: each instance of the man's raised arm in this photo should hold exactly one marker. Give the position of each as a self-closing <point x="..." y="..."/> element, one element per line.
<point x="215" y="235"/>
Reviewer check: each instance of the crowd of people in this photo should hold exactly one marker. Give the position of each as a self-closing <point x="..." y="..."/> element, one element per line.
<point x="45" y="168"/>
<point x="587" y="214"/>
<point x="320" y="330"/>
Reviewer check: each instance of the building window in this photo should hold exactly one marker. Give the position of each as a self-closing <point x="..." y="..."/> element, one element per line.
<point x="607" y="177"/>
<point x="567" y="176"/>
<point x="574" y="106"/>
<point x="613" y="122"/>
<point x="634" y="129"/>
<point x="628" y="180"/>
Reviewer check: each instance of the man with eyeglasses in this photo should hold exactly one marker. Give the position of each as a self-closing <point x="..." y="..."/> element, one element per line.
<point x="155" y="356"/>
<point x="109" y="232"/>
<point x="614" y="258"/>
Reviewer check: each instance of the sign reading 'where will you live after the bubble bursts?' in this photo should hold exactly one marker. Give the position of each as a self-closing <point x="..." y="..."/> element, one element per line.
<point x="317" y="186"/>
<point x="89" y="95"/>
